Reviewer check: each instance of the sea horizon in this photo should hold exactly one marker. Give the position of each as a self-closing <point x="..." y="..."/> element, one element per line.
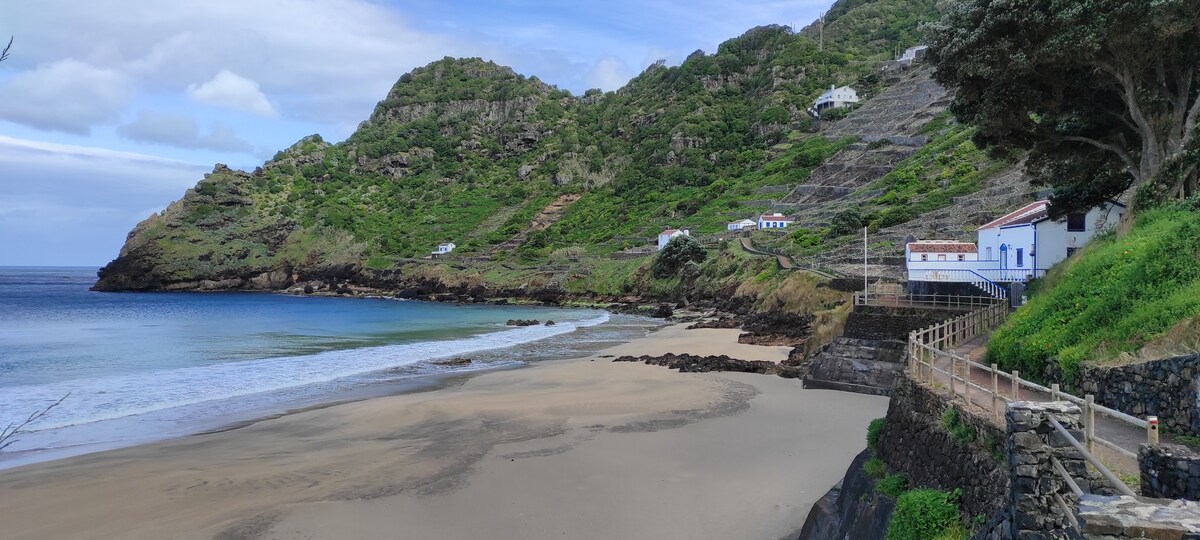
<point x="141" y="367"/>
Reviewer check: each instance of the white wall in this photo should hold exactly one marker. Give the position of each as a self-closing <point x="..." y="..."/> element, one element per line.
<point x="1053" y="238"/>
<point x="1017" y="237"/>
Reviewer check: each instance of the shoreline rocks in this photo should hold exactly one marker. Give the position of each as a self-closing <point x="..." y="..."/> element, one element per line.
<point x="689" y="363"/>
<point x="523" y="322"/>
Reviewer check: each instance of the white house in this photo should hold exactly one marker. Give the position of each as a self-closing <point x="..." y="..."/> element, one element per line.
<point x="739" y="225"/>
<point x="913" y="54"/>
<point x="1015" y="247"/>
<point x="668" y="234"/>
<point x="443" y="248"/>
<point x="774" y="221"/>
<point x="834" y="98"/>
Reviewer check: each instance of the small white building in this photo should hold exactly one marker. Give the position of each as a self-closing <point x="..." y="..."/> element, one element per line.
<point x="443" y="248"/>
<point x="739" y="225"/>
<point x="835" y="97"/>
<point x="1014" y="248"/>
<point x="774" y="221"/>
<point x="668" y="234"/>
<point x="913" y="54"/>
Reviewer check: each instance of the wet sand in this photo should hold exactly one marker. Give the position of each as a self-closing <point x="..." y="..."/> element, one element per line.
<point x="582" y="448"/>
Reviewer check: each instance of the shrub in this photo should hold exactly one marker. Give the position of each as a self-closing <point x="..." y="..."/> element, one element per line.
<point x="922" y="514"/>
<point x="679" y="251"/>
<point x="874" y="430"/>
<point x="959" y="430"/>
<point x="845" y="222"/>
<point x="875" y="468"/>
<point x="893" y="486"/>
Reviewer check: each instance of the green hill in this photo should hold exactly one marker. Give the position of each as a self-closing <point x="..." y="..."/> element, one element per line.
<point x="1118" y="296"/>
<point x="517" y="172"/>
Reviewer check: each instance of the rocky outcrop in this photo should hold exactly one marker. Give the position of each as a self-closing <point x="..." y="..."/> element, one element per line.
<point x="721" y="322"/>
<point x="852" y="509"/>
<point x="688" y="363"/>
<point x="522" y="322"/>
<point x="857" y="365"/>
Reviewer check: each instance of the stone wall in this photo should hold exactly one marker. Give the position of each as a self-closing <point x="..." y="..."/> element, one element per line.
<point x="1169" y="471"/>
<point x="915" y="442"/>
<point x="857" y="365"/>
<point x="1033" y="483"/>
<point x="1164" y="388"/>
<point x="874" y="322"/>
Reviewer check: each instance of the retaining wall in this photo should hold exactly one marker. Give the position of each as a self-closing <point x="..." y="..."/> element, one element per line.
<point x="874" y="322"/>
<point x="1164" y="388"/>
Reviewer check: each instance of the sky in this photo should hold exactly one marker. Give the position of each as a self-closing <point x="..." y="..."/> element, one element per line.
<point x="110" y="110"/>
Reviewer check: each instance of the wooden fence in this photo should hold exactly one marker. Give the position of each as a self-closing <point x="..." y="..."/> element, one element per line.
<point x="929" y="346"/>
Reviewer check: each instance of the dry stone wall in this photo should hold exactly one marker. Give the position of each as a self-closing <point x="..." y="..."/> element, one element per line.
<point x="1164" y="388"/>
<point x="1169" y="471"/>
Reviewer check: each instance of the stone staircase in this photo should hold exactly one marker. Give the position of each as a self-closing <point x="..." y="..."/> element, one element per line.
<point x="865" y="366"/>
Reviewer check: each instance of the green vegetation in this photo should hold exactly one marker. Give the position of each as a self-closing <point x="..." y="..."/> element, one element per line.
<point x="956" y="427"/>
<point x="678" y="254"/>
<point x="1122" y="123"/>
<point x="1120" y="295"/>
<point x="875" y="468"/>
<point x="924" y="514"/>
<point x="893" y="486"/>
<point x="874" y="431"/>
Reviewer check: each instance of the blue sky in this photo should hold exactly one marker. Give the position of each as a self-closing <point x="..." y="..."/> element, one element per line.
<point x="109" y="109"/>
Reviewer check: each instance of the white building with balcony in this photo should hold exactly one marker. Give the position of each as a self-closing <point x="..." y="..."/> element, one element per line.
<point x="1013" y="248"/>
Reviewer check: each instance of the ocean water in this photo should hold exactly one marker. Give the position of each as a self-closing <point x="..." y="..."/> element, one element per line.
<point x="139" y="367"/>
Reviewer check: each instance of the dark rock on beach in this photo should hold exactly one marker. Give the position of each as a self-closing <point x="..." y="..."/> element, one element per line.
<point x="522" y="322"/>
<point x="452" y="362"/>
<point x="723" y="322"/>
<point x="688" y="363"/>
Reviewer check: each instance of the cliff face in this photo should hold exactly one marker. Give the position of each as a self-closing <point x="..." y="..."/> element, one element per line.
<point x="464" y="150"/>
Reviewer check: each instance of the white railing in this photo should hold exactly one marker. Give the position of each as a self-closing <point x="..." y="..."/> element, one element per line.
<point x="925" y="300"/>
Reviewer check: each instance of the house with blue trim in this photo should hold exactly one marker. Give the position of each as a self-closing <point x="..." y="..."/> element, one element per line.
<point x="1014" y="248"/>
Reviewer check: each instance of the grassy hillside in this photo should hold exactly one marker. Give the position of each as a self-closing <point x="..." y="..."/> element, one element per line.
<point x="1121" y="294"/>
<point x="467" y="151"/>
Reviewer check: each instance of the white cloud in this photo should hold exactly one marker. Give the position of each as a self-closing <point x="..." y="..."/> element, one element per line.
<point x="181" y="130"/>
<point x="609" y="73"/>
<point x="228" y="89"/>
<point x="66" y="95"/>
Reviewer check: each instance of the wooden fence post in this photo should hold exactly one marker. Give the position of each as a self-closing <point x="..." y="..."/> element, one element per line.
<point x="1089" y="420"/>
<point x="1152" y="429"/>
<point x="1054" y="392"/>
<point x="995" y="390"/>
<point x="952" y="370"/>
<point x="967" y="378"/>
<point x="1016" y="389"/>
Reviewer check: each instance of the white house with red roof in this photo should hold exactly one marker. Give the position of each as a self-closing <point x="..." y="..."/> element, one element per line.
<point x="1015" y="247"/>
<point x="774" y="221"/>
<point x="668" y="234"/>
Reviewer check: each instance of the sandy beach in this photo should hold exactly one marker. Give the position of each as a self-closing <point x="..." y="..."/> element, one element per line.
<point x="582" y="448"/>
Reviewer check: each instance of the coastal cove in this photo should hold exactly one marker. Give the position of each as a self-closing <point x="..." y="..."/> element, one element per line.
<point x="143" y="367"/>
<point x="584" y="448"/>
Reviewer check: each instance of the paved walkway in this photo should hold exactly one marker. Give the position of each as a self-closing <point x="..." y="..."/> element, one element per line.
<point x="1121" y="433"/>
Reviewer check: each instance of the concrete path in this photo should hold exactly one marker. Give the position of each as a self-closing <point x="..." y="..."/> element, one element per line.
<point x="1121" y="433"/>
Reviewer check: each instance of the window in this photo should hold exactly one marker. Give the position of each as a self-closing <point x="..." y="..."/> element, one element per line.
<point x="989" y="253"/>
<point x="1020" y="257"/>
<point x="962" y="257"/>
<point x="1077" y="222"/>
<point x="924" y="256"/>
<point x="941" y="256"/>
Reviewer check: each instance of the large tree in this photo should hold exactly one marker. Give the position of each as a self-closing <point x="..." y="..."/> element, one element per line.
<point x="1103" y="93"/>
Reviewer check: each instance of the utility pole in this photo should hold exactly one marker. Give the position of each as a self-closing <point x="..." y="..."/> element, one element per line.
<point x="821" y="41"/>
<point x="864" y="260"/>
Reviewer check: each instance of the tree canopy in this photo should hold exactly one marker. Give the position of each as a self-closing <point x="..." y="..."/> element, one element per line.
<point x="1103" y="93"/>
<point x="678" y="252"/>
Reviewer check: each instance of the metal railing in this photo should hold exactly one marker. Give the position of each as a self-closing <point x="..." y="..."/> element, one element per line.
<point x="925" y="300"/>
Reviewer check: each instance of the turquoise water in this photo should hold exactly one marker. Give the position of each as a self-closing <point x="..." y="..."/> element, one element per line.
<point x="137" y="367"/>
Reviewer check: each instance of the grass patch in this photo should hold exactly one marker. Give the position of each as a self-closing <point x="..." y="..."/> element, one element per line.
<point x="959" y="430"/>
<point x="875" y="468"/>
<point x="1117" y="296"/>
<point x="874" y="431"/>
<point x="893" y="486"/>
<point x="924" y="514"/>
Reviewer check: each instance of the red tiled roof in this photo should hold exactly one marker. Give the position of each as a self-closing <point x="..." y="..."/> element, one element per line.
<point x="942" y="247"/>
<point x="1034" y="211"/>
<point x="668" y="231"/>
<point x="777" y="217"/>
